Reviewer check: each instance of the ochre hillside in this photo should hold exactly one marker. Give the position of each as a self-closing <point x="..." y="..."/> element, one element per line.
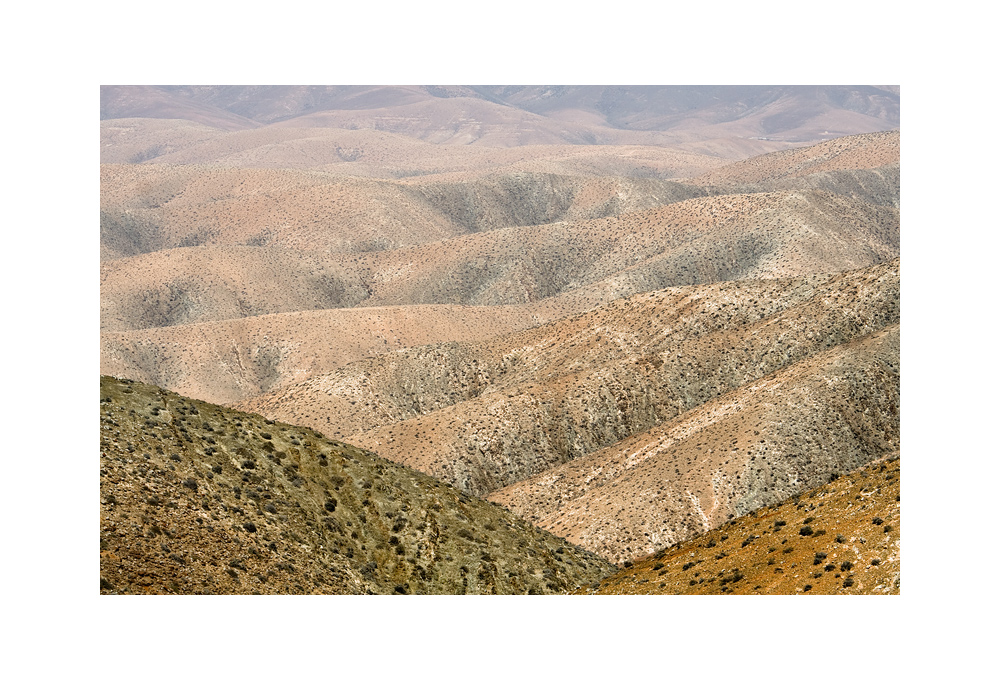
<point x="841" y="538"/>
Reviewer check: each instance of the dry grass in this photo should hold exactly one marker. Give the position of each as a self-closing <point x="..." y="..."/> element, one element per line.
<point x="841" y="538"/>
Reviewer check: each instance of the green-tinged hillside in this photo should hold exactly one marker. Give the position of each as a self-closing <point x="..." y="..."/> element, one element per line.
<point x="198" y="498"/>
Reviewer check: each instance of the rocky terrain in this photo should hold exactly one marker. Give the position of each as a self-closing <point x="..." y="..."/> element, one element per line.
<point x="754" y="446"/>
<point x="628" y="316"/>
<point x="484" y="415"/>
<point x="200" y="499"/>
<point x="841" y="538"/>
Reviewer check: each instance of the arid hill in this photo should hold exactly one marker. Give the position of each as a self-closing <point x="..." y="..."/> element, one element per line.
<point x="486" y="415"/>
<point x="386" y="155"/>
<point x="630" y="315"/>
<point x="145" y="208"/>
<point x="840" y="538"/>
<point x="196" y="498"/>
<point x="690" y="242"/>
<point x="228" y="361"/>
<point x="753" y="446"/>
<point x="864" y="166"/>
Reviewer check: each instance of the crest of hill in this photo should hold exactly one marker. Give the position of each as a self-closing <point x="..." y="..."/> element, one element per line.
<point x="237" y="359"/>
<point x="690" y="242"/>
<point x="788" y="110"/>
<point x="840" y="538"/>
<point x="147" y="101"/>
<point x="485" y="415"/>
<point x="756" y="445"/>
<point x="197" y="498"/>
<point x="455" y="121"/>
<point x="857" y="152"/>
<point x="378" y="154"/>
<point x="145" y="208"/>
<point x="137" y="140"/>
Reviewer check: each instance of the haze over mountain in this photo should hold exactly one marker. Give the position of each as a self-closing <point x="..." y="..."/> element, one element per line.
<point x="629" y="315"/>
<point x="520" y="116"/>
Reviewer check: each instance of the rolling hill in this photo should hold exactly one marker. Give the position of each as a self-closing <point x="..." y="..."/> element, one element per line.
<point x="578" y="327"/>
<point x="485" y="415"/>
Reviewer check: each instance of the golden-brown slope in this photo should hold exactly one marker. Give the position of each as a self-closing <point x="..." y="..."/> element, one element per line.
<point x="197" y="498"/>
<point x="484" y="415"/>
<point x="840" y="538"/>
<point x="754" y="446"/>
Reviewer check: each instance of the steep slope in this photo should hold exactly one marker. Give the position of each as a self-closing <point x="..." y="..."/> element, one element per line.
<point x="485" y="415"/>
<point x="753" y="446"/>
<point x="840" y="538"/>
<point x="197" y="498"/>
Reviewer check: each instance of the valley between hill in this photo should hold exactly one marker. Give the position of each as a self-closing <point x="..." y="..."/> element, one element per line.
<point x="494" y="339"/>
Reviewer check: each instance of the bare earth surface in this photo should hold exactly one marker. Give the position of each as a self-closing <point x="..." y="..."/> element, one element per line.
<point x="626" y="317"/>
